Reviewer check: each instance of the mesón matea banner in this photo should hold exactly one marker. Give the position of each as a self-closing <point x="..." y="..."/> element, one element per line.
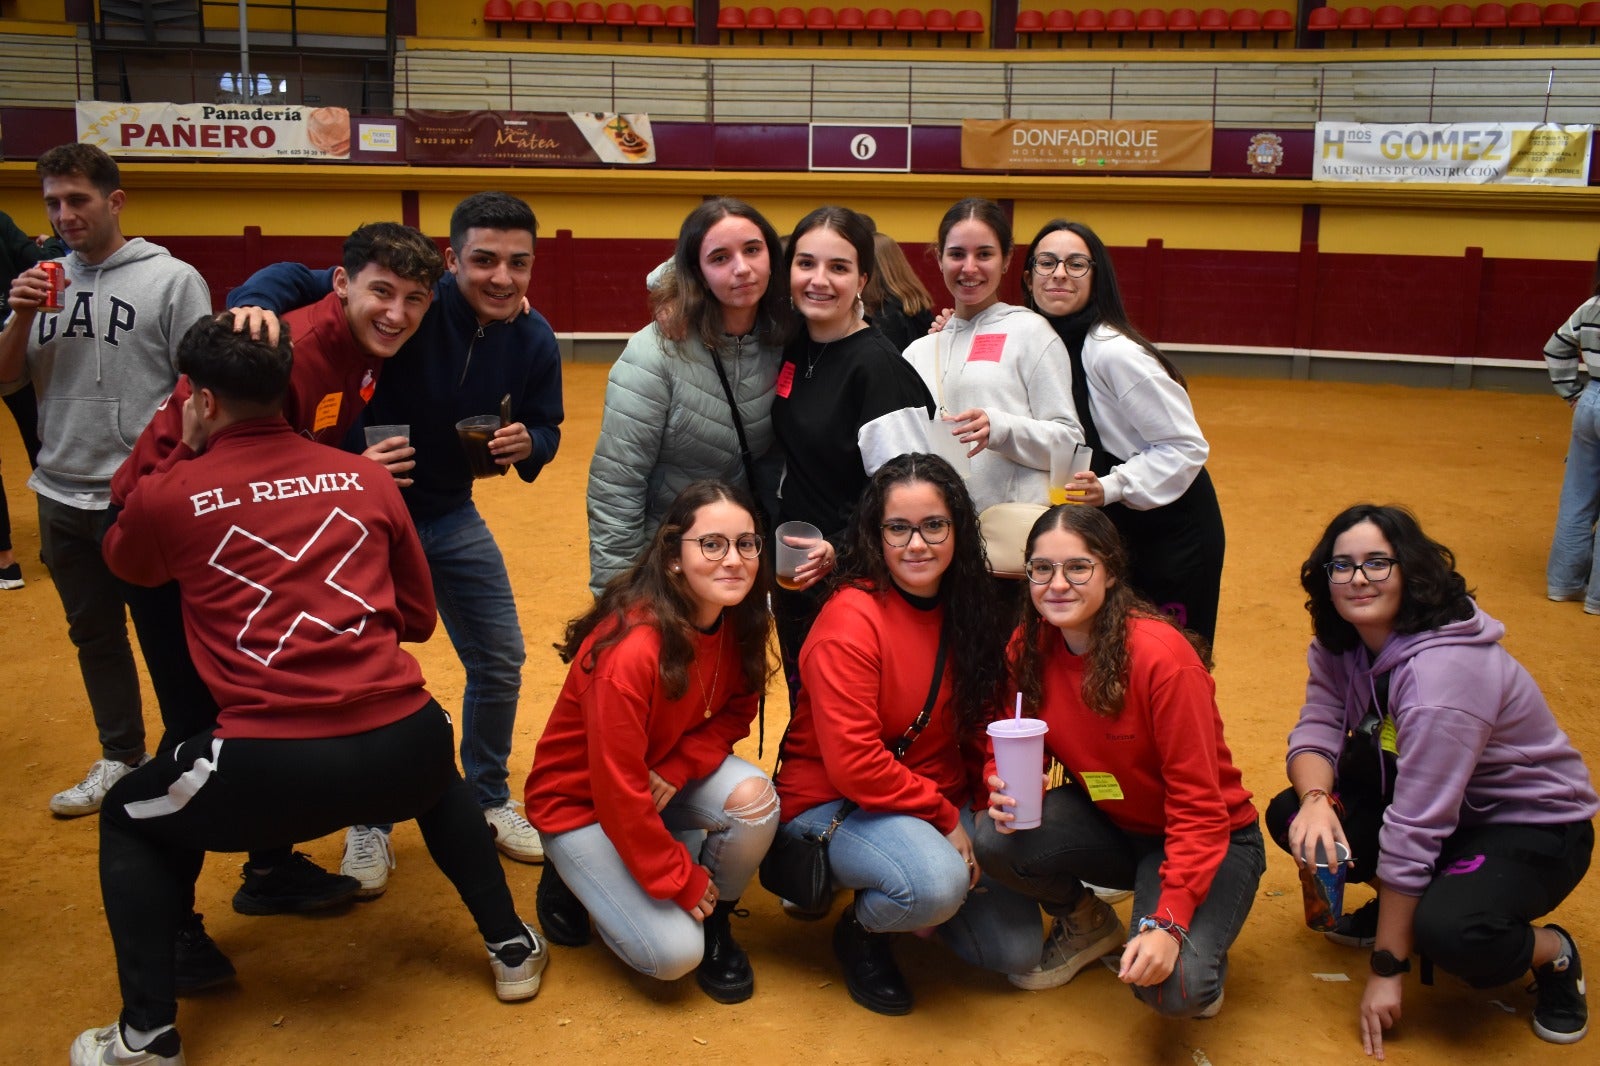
<point x="1087" y="146"/>
<point x="1481" y="153"/>
<point x="528" y="138"/>
<point x="215" y="131"/>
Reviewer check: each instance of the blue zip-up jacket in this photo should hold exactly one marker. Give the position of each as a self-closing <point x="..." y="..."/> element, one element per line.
<point x="451" y="369"/>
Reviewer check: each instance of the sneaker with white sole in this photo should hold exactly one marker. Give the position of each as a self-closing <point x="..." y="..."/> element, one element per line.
<point x="11" y="577"/>
<point x="513" y="835"/>
<point x="368" y="857"/>
<point x="1090" y="931"/>
<point x="105" y="1047"/>
<point x="86" y="796"/>
<point x="1561" y="1013"/>
<point x="1358" y="929"/>
<point x="1213" y="1008"/>
<point x="518" y="966"/>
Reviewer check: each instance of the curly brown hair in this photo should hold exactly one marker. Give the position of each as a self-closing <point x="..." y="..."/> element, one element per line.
<point x="1105" y="675"/>
<point x="650" y="594"/>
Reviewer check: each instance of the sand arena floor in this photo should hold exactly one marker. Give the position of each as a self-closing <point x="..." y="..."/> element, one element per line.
<point x="403" y="979"/>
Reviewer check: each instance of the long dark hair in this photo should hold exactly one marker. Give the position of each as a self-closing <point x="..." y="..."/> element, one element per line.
<point x="650" y="594"/>
<point x="1105" y="295"/>
<point x="1432" y="594"/>
<point x="976" y="625"/>
<point x="852" y="226"/>
<point x="894" y="277"/>
<point x="1106" y="667"/>
<point x="687" y="308"/>
<point x="988" y="212"/>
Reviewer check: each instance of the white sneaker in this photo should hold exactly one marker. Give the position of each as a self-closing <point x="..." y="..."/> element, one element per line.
<point x="513" y="835"/>
<point x="1110" y="895"/>
<point x="104" y="1047"/>
<point x="86" y="796"/>
<point x="1074" y="942"/>
<point x="517" y="967"/>
<point x="368" y="857"/>
<point x="1213" y="1008"/>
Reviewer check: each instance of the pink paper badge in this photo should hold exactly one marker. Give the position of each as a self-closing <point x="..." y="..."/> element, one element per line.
<point x="986" y="348"/>
<point x="786" y="380"/>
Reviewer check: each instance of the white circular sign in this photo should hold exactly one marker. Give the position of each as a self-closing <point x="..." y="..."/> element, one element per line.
<point x="863" y="147"/>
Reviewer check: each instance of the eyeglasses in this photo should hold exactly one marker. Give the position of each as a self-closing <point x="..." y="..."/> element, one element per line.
<point x="1045" y="264"/>
<point x="932" y="531"/>
<point x="1343" y="571"/>
<point x="1076" y="571"/>
<point x="715" y="545"/>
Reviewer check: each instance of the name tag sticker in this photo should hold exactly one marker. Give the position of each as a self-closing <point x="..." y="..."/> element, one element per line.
<point x="1101" y="786"/>
<point x="786" y="380"/>
<point x="327" y="412"/>
<point x="986" y="348"/>
<point x="1387" y="737"/>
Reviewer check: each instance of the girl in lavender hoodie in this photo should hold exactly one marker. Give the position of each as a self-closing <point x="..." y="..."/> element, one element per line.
<point x="1429" y="752"/>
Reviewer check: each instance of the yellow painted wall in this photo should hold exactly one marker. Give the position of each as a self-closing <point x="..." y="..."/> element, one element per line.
<point x="1421" y="232"/>
<point x="364" y="19"/>
<point x="36" y="10"/>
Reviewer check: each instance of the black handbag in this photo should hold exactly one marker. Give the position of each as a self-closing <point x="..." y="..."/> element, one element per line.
<point x="796" y="867"/>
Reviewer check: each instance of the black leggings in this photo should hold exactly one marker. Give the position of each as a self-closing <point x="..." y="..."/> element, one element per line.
<point x="209" y="794"/>
<point x="1489" y="883"/>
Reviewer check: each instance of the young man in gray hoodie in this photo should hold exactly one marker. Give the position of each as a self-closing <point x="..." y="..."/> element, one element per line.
<point x="100" y="366"/>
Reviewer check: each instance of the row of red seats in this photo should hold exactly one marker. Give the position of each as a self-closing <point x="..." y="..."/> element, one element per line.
<point x="1455" y="18"/>
<point x="879" y="20"/>
<point x="561" y="14"/>
<point x="1152" y="20"/>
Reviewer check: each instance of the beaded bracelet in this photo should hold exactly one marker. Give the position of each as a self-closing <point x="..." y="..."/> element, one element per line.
<point x="1150" y="922"/>
<point x="1333" y="801"/>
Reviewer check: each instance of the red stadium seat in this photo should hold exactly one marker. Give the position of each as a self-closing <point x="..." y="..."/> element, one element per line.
<point x="731" y="21"/>
<point x="1244" y="21"/>
<point x="498" y="12"/>
<point x="1355" y="19"/>
<point x="1522" y="18"/>
<point x="1422" y="18"/>
<point x="761" y="19"/>
<point x="651" y="18"/>
<point x="528" y="14"/>
<point x="1029" y="23"/>
<point x="850" y="19"/>
<point x="1455" y="18"/>
<point x="1121" y="21"/>
<point x="1322" y="20"/>
<point x="939" y="21"/>
<point x="1060" y="23"/>
<point x="969" y="22"/>
<point x="909" y="21"/>
<point x="1388" y="18"/>
<point x="680" y="17"/>
<point x="1277" y="22"/>
<point x="1488" y="18"/>
<point x="791" y="20"/>
<point x="589" y="15"/>
<point x="1213" y="20"/>
<point x="1560" y="17"/>
<point x="1589" y="18"/>
<point x="1090" y="21"/>
<point x="1151" y="21"/>
<point x="619" y="17"/>
<point x="820" y="20"/>
<point x="1182" y="21"/>
<point x="558" y="13"/>
<point x="879" y="20"/>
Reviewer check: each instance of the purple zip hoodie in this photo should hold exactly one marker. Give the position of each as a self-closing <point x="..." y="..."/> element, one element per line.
<point x="1475" y="739"/>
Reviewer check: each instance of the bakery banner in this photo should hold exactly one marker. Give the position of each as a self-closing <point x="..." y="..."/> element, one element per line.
<point x="216" y="131"/>
<point x="1479" y="153"/>
<point x="1093" y="145"/>
<point x="528" y="138"/>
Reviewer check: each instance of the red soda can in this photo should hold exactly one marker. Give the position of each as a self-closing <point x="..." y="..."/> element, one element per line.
<point x="58" y="285"/>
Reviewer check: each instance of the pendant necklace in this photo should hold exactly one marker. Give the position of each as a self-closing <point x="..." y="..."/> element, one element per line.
<point x="812" y="355"/>
<point x="705" y="696"/>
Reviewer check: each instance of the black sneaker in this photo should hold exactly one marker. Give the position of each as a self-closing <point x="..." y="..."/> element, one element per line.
<point x="292" y="887"/>
<point x="198" y="962"/>
<point x="11" y="576"/>
<point x="562" y="915"/>
<point x="1561" y="1014"/>
<point x="1358" y="929"/>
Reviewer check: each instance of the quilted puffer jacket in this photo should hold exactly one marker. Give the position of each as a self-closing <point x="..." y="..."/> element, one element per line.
<point x="666" y="423"/>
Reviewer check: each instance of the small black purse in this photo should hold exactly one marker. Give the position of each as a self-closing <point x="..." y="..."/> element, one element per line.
<point x="796" y="867"/>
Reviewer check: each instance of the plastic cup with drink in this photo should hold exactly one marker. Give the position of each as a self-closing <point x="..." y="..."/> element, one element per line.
<point x="1019" y="761"/>
<point x="1322" y="886"/>
<point x="476" y="433"/>
<point x="1063" y="465"/>
<point x="795" y="542"/>
<point x="379" y="434"/>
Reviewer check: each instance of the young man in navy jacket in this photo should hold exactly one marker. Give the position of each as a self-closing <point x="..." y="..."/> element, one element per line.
<point x="476" y="348"/>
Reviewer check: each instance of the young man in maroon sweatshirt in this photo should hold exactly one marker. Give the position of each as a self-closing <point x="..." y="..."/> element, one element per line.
<point x="300" y="573"/>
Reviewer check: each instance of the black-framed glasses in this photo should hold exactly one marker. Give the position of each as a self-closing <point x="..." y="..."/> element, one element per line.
<point x="1076" y="571"/>
<point x="897" y="534"/>
<point x="1044" y="264"/>
<point x="714" y="546"/>
<point x="1343" y="571"/>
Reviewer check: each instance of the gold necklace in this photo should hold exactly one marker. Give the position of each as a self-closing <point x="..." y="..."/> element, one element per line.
<point x="699" y="676"/>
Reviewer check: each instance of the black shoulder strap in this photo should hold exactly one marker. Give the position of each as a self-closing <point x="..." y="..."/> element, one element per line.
<point x="915" y="729"/>
<point x="738" y="426"/>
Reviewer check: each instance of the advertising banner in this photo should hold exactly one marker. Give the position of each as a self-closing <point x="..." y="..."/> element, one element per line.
<point x="215" y="131"/>
<point x="841" y="146"/>
<point x="528" y="138"/>
<point x="1478" y="153"/>
<point x="1096" y="145"/>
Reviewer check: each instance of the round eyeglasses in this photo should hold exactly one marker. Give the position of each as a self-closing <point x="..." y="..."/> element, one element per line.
<point x="1076" y="571"/>
<point x="1343" y="571"/>
<point x="714" y="546"/>
<point x="1044" y="264"/>
<point x="897" y="534"/>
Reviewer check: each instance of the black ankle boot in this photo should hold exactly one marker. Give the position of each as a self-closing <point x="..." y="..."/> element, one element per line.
<point x="562" y="915"/>
<point x="724" y="971"/>
<point x="870" y="973"/>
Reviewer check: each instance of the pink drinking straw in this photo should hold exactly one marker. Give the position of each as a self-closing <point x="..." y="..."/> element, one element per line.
<point x="1019" y="706"/>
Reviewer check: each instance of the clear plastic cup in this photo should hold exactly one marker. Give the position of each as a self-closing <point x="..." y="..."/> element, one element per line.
<point x="1063" y="465"/>
<point x="794" y="542"/>
<point x="1019" y="760"/>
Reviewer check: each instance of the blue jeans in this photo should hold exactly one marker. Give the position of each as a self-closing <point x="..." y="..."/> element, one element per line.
<point x="656" y="936"/>
<point x="97" y="623"/>
<point x="475" y="603"/>
<point x="1574" y="563"/>
<point x="907" y="876"/>
<point x="1078" y="843"/>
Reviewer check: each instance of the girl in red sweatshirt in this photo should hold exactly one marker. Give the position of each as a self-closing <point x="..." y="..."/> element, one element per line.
<point x="667" y="669"/>
<point x="1153" y="801"/>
